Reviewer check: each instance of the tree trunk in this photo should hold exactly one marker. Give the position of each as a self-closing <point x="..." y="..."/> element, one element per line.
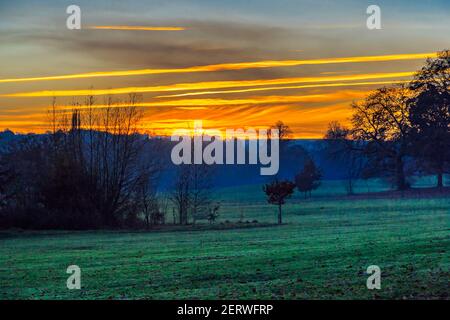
<point x="400" y="174"/>
<point x="349" y="187"/>
<point x="185" y="216"/>
<point x="440" y="182"/>
<point x="279" y="214"/>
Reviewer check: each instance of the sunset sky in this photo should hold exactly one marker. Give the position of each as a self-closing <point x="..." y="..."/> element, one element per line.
<point x="232" y="64"/>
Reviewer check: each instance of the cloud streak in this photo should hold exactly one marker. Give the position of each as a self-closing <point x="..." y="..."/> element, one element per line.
<point x="228" y="67"/>
<point x="259" y="100"/>
<point x="207" y="85"/>
<point x="137" y="28"/>
<point x="308" y="86"/>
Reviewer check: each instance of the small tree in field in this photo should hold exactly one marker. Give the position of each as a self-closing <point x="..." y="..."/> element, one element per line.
<point x="309" y="178"/>
<point x="277" y="192"/>
<point x="213" y="213"/>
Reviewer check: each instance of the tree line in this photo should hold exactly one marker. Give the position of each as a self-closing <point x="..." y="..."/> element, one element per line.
<point x="396" y="132"/>
<point x="400" y="131"/>
<point x="94" y="169"/>
<point x="90" y="171"/>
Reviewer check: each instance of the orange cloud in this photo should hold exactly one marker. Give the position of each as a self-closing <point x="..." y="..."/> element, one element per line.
<point x="207" y="85"/>
<point x="137" y="28"/>
<point x="199" y="104"/>
<point x="308" y="115"/>
<point x="343" y="84"/>
<point x="228" y="66"/>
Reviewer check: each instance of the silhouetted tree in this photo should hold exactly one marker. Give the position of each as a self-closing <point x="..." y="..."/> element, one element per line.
<point x="289" y="153"/>
<point x="434" y="75"/>
<point x="430" y="120"/>
<point x="7" y="178"/>
<point x="191" y="192"/>
<point x="105" y="151"/>
<point x="26" y="162"/>
<point x="201" y="188"/>
<point x="85" y="173"/>
<point x="277" y="192"/>
<point x="309" y="178"/>
<point x="381" y="123"/>
<point x="145" y="197"/>
<point x="339" y="147"/>
<point x="284" y="132"/>
<point x="213" y="213"/>
<point x="430" y="116"/>
<point x="181" y="193"/>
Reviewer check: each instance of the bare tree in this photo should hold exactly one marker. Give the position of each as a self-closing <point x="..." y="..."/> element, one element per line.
<point x="191" y="192"/>
<point x="181" y="193"/>
<point x="381" y="122"/>
<point x="146" y="195"/>
<point x="87" y="172"/>
<point x="284" y="132"/>
<point x="348" y="153"/>
<point x="435" y="74"/>
<point x="102" y="146"/>
<point x="213" y="213"/>
<point x="201" y="187"/>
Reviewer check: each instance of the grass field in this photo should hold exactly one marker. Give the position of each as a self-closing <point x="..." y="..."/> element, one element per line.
<point x="321" y="252"/>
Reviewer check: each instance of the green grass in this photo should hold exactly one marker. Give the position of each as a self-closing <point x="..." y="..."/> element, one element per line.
<point x="321" y="252"/>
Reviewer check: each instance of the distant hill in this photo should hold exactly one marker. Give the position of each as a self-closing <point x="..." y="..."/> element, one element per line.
<point x="292" y="158"/>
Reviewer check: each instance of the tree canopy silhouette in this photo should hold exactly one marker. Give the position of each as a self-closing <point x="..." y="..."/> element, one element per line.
<point x="430" y="115"/>
<point x="277" y="192"/>
<point x="309" y="178"/>
<point x="430" y="120"/>
<point x="381" y="121"/>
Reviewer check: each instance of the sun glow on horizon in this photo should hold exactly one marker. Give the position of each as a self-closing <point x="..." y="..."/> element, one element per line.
<point x="171" y="107"/>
